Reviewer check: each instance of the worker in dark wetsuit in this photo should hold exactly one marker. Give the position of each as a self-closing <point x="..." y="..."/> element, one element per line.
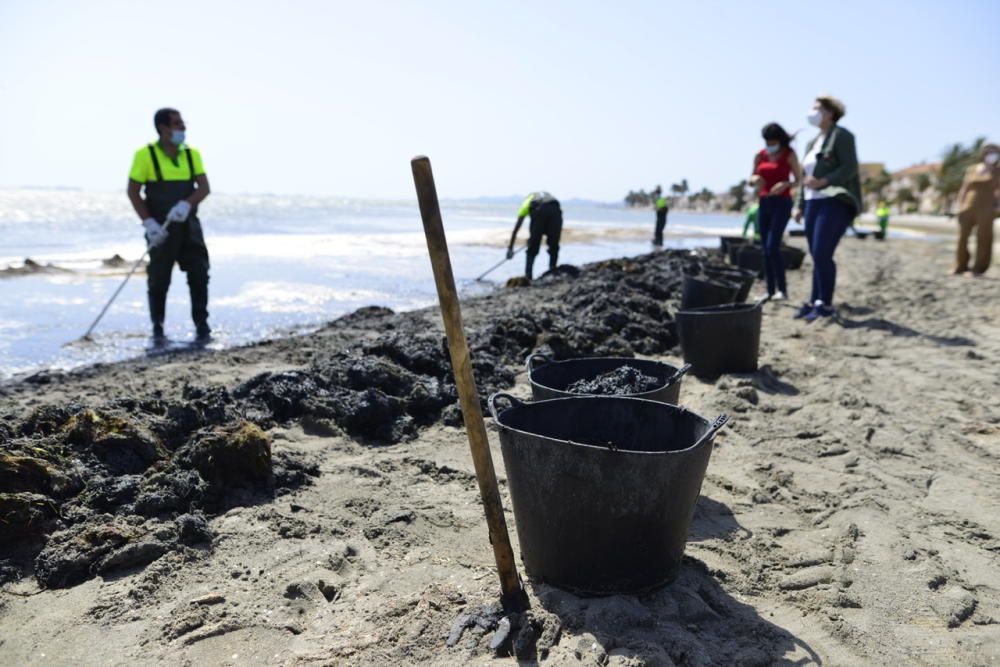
<point x="173" y="177"/>
<point x="546" y="220"/>
<point x="661" y="206"/>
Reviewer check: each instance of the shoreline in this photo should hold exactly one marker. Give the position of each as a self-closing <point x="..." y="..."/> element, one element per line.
<point x="841" y="520"/>
<point x="44" y="354"/>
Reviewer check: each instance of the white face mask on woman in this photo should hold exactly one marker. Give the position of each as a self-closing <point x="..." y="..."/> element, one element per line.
<point x="815" y="117"/>
<point x="992" y="159"/>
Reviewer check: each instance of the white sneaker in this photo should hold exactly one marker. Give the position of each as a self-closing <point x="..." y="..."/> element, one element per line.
<point x="779" y="296"/>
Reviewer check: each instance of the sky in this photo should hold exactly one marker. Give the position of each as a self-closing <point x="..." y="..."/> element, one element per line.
<point x="584" y="99"/>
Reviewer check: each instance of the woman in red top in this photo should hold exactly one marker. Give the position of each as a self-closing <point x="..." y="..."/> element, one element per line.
<point x="776" y="170"/>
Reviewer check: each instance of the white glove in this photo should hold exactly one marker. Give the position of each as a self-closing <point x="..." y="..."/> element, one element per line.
<point x="155" y="233"/>
<point x="180" y="212"/>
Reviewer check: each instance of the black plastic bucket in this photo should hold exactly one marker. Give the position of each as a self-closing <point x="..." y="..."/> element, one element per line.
<point x="550" y="379"/>
<point x="727" y="242"/>
<point x="596" y="518"/>
<point x="742" y="277"/>
<point x="720" y="339"/>
<point x="732" y="252"/>
<point x="698" y="292"/>
<point x="792" y="257"/>
<point x="751" y="258"/>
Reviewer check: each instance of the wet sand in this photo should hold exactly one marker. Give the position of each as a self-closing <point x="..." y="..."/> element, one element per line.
<point x="849" y="513"/>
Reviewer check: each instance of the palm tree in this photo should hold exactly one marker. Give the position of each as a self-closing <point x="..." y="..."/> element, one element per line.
<point x="877" y="183"/>
<point x="904" y="196"/>
<point x="923" y="182"/>
<point x="738" y="193"/>
<point x="637" y="199"/>
<point x="874" y="185"/>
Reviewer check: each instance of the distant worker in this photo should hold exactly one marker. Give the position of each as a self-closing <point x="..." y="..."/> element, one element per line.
<point x="977" y="206"/>
<point x="753" y="220"/>
<point x="661" y="206"/>
<point x="546" y="220"/>
<point x="882" y="214"/>
<point x="173" y="179"/>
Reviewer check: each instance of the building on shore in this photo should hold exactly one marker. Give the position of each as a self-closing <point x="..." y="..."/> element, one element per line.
<point x="915" y="189"/>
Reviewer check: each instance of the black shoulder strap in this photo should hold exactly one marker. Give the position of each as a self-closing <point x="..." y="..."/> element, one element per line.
<point x="156" y="163"/>
<point x="190" y="162"/>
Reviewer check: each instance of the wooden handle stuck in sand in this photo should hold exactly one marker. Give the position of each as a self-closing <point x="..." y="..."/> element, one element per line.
<point x="513" y="596"/>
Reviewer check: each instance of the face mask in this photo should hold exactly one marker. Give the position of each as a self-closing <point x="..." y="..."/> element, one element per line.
<point x="177" y="137"/>
<point x="773" y="150"/>
<point x="815" y="117"/>
<point x="992" y="159"/>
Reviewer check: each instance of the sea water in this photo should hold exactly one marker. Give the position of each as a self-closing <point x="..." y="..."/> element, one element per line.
<point x="280" y="264"/>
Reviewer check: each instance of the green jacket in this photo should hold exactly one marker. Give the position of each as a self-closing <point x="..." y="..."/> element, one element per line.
<point x="838" y="164"/>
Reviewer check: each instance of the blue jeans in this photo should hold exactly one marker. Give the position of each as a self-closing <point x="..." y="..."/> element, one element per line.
<point x="826" y="222"/>
<point x="772" y="217"/>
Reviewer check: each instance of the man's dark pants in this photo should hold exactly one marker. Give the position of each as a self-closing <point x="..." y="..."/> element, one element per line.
<point x="185" y="246"/>
<point x="661" y="223"/>
<point x="545" y="221"/>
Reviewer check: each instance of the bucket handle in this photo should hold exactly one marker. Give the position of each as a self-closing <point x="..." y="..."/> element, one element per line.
<point x="719" y="422"/>
<point x="529" y="363"/>
<point x="496" y="396"/>
<point x="678" y="374"/>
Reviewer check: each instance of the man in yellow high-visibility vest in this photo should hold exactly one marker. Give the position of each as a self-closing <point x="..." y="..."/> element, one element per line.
<point x="882" y="213"/>
<point x="166" y="183"/>
<point x="546" y="220"/>
<point x="660" y="204"/>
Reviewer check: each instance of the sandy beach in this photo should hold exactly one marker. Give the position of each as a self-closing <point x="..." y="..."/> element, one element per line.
<point x="311" y="500"/>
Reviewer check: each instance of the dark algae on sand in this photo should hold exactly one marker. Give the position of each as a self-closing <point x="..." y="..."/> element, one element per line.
<point x="90" y="489"/>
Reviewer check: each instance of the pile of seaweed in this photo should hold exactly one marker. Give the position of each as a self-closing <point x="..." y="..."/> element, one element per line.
<point x="88" y="490"/>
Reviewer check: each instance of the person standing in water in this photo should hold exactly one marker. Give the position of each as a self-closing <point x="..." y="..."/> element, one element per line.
<point x="829" y="200"/>
<point x="662" y="208"/>
<point x="166" y="183"/>
<point x="546" y="220"/>
<point x="978" y="200"/>
<point x="776" y="171"/>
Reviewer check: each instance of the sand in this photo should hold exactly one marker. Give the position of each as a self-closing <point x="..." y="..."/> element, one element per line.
<point x="849" y="515"/>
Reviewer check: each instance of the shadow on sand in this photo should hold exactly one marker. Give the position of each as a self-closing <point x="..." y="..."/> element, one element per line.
<point x="692" y="621"/>
<point x="882" y="324"/>
<point x="714" y="520"/>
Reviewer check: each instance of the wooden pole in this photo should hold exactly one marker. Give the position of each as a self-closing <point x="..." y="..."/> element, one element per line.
<point x="513" y="596"/>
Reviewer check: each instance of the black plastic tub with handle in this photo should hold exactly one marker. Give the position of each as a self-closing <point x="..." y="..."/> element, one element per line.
<point x="704" y="291"/>
<point x="720" y="339"/>
<point x="727" y="242"/>
<point x="742" y="277"/>
<point x="792" y="256"/>
<point x="551" y="379"/>
<point x="749" y="257"/>
<point x="603" y="487"/>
